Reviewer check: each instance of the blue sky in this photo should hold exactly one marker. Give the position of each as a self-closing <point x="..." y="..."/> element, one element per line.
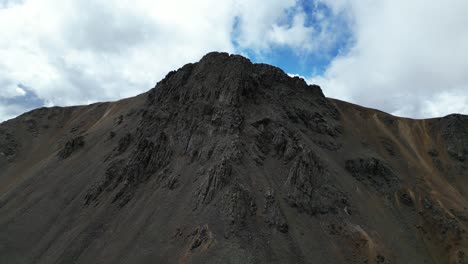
<point x="291" y="61"/>
<point x="408" y="58"/>
<point x="303" y="62"/>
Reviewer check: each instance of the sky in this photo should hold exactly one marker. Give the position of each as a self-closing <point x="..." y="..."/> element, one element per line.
<point x="406" y="57"/>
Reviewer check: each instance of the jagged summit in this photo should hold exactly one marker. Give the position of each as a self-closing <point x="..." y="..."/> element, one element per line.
<point x="215" y="56"/>
<point x="228" y="78"/>
<point x="226" y="161"/>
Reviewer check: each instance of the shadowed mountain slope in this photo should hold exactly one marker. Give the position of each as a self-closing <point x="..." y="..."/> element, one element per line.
<point x="226" y="161"/>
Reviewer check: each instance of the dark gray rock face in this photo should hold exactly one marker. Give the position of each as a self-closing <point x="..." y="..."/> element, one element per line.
<point x="309" y="188"/>
<point x="273" y="215"/>
<point x="148" y="159"/>
<point x="455" y="133"/>
<point x="227" y="161"/>
<point x="71" y="146"/>
<point x="373" y="173"/>
<point x="124" y="143"/>
<point x="8" y="145"/>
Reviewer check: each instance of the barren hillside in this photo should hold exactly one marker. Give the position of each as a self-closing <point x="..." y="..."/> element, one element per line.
<point x="226" y="161"/>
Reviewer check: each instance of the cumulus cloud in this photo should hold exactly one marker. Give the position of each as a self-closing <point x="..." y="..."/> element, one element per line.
<point x="409" y="57"/>
<point x="263" y="26"/>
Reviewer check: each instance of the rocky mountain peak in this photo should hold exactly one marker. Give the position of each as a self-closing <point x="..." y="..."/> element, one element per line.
<point x="230" y="79"/>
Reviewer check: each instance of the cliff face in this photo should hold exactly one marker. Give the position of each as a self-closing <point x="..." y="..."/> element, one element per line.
<point x="226" y="161"/>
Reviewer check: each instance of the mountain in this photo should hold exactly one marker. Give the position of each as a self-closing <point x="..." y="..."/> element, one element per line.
<point x="226" y="161"/>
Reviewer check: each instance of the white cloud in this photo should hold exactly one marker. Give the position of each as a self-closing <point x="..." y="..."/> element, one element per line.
<point x="20" y="91"/>
<point x="265" y="24"/>
<point x="297" y="35"/>
<point x="446" y="102"/>
<point x="409" y="57"/>
<point x="257" y="20"/>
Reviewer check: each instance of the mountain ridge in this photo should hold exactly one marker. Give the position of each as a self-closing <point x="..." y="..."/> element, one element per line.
<point x="227" y="55"/>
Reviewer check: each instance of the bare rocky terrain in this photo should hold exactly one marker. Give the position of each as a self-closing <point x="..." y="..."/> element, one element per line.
<point x="225" y="161"/>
